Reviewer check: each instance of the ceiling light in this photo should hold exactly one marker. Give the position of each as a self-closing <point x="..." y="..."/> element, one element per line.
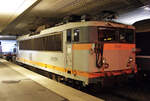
<point x="6" y="36"/>
<point x="139" y="14"/>
<point x="11" y="9"/>
<point x="146" y="8"/>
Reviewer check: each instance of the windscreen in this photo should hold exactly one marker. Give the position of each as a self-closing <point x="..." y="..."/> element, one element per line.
<point x="116" y="35"/>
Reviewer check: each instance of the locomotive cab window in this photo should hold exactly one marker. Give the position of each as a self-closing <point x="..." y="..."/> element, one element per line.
<point x="107" y="35"/>
<point x="76" y="35"/>
<point x="116" y="35"/>
<point x="126" y="36"/>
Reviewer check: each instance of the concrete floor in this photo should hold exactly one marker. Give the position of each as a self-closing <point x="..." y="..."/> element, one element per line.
<point x="17" y="87"/>
<point x="20" y="84"/>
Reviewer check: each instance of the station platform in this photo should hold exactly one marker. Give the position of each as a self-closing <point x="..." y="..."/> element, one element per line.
<point x="20" y="84"/>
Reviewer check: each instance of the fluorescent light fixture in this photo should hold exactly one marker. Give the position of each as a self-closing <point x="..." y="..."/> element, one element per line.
<point x="15" y="6"/>
<point x="6" y="36"/>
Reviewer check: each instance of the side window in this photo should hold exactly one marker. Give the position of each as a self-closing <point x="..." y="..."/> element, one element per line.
<point x="47" y="43"/>
<point x="76" y="35"/>
<point x="69" y="35"/>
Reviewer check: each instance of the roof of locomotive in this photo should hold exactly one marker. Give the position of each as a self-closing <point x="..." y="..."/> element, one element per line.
<point x="75" y="25"/>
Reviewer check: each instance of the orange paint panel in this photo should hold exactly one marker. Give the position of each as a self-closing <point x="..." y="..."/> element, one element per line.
<point x="94" y="75"/>
<point x="118" y="46"/>
<point x="81" y="46"/>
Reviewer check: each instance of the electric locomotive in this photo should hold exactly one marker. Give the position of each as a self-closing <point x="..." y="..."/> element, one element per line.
<point x="87" y="51"/>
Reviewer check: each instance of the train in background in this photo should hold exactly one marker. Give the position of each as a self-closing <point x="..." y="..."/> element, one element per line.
<point x="8" y="49"/>
<point x="143" y="57"/>
<point x="88" y="52"/>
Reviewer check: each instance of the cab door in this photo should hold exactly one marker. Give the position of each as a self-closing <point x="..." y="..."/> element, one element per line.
<point x="69" y="50"/>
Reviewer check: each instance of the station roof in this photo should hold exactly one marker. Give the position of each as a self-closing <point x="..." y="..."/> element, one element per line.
<point x="19" y="17"/>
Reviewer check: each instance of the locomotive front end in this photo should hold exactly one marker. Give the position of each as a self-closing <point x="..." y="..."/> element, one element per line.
<point x="114" y="53"/>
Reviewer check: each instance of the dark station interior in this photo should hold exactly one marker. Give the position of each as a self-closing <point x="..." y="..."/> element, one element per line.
<point x="74" y="50"/>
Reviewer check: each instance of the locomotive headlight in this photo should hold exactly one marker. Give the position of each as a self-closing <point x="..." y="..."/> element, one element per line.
<point x="104" y="60"/>
<point x="105" y="64"/>
<point x="130" y="59"/>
